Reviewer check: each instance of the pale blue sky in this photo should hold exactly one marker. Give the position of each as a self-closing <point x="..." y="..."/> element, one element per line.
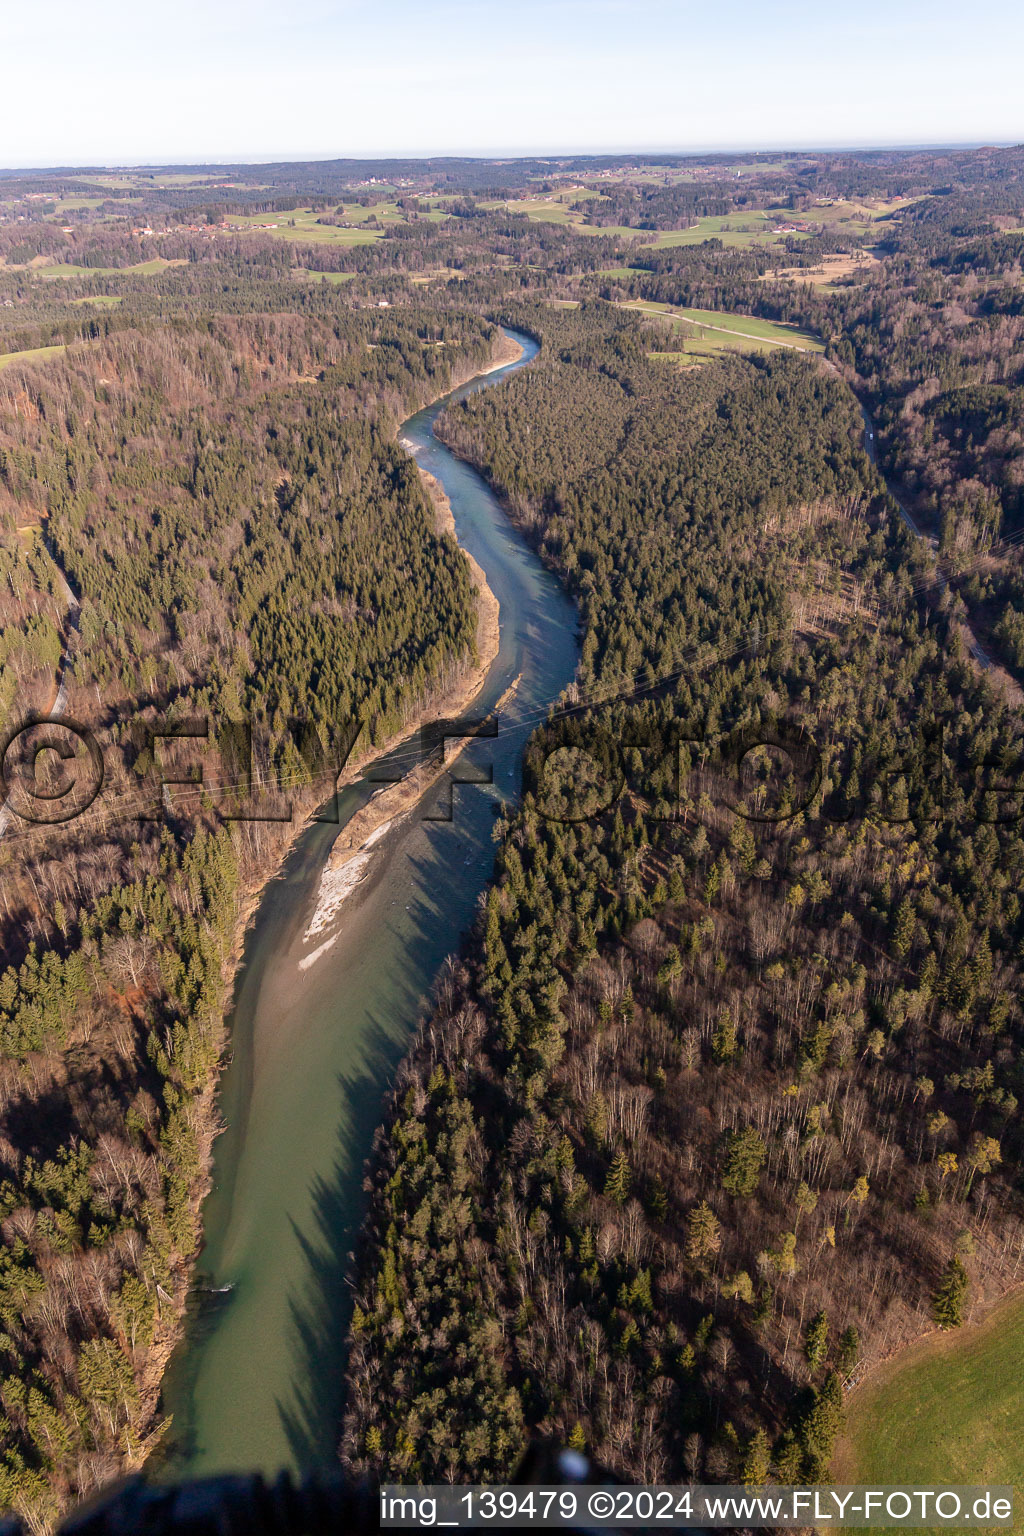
<point x="131" y="81"/>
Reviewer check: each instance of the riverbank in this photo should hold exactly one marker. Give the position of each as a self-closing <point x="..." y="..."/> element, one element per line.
<point x="438" y="707"/>
<point x="351" y="851"/>
<point x="462" y="690"/>
<point x="319" y="1029"/>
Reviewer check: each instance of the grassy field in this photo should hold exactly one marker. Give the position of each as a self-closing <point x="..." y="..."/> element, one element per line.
<point x="303" y="274"/>
<point x="125" y="179"/>
<point x="950" y="1410"/>
<point x="140" y="180"/>
<point x="438" y="275"/>
<point x="386" y="212"/>
<point x="734" y="229"/>
<point x="710" y="331"/>
<point x="70" y="204"/>
<point x="555" y="209"/>
<point x="62" y="269"/>
<point x="301" y="224"/>
<point x="31" y="355"/>
<point x="758" y="227"/>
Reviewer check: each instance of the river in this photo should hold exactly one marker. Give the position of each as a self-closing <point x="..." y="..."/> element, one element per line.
<point x="258" y="1380"/>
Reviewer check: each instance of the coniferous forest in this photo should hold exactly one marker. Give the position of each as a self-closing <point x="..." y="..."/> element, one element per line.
<point x="718" y="1104"/>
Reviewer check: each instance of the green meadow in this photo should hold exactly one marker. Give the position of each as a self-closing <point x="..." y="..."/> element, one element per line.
<point x="707" y="331"/>
<point x="63" y="269"/>
<point x="949" y="1411"/>
<point x="30" y="355"/>
<point x="305" y="274"/>
<point x="301" y="224"/>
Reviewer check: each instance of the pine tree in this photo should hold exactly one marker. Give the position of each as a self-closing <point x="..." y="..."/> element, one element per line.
<point x="757" y="1461"/>
<point x="903" y="929"/>
<point x="948" y="1300"/>
<point x="745" y="1154"/>
<point x="816" y="1341"/>
<point x="657" y="1199"/>
<point x="619" y="1178"/>
<point x="723" y="1039"/>
<point x="821" y="1427"/>
<point x="848" y="1351"/>
<point x="703" y="1233"/>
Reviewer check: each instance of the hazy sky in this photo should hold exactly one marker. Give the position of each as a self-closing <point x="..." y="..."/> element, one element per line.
<point x="131" y="81"/>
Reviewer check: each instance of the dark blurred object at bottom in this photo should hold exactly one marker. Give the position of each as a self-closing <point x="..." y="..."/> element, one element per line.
<point x="247" y="1505"/>
<point x="244" y="1505"/>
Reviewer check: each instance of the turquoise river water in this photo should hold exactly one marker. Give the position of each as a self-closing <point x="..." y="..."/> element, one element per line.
<point x="319" y="1025"/>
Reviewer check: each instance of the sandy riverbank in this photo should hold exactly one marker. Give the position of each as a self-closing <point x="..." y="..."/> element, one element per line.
<point x="439" y="706"/>
<point x="351" y="851"/>
<point x="507" y="351"/>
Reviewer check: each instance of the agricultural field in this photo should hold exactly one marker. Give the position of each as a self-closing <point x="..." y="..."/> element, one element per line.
<point x="305" y="275"/>
<point x="75" y="204"/>
<point x="117" y="181"/>
<point x="737" y="229"/>
<point x="301" y="224"/>
<point x="438" y="275"/>
<point x="141" y="180"/>
<point x="65" y="269"/>
<point x="763" y="226"/>
<point x="857" y="217"/>
<point x="833" y="270"/>
<point x="734" y="229"/>
<point x="707" y="332"/>
<point x="949" y="1410"/>
<point x="31" y="355"/>
<point x="551" y="209"/>
<point x="555" y="208"/>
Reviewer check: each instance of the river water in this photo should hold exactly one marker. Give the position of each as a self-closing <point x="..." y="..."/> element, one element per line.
<point x="257" y="1382"/>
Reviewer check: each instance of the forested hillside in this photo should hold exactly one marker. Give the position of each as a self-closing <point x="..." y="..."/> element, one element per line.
<point x="718" y="1103"/>
<point x="247" y="543"/>
<point x="727" y="1088"/>
<point x="196" y="481"/>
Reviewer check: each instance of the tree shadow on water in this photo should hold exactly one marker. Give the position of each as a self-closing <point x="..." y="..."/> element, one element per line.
<point x="442" y="907"/>
<point x="320" y="1316"/>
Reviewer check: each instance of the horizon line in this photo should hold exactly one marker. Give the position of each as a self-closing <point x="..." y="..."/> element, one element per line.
<point x="513" y="155"/>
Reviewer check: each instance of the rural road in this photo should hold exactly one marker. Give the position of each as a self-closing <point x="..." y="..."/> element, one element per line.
<point x="726" y="330"/>
<point x="975" y="647"/>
